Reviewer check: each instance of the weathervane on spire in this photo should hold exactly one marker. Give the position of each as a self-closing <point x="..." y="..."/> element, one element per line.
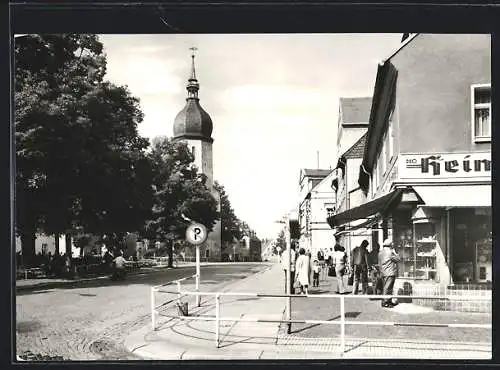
<point x="193" y="73"/>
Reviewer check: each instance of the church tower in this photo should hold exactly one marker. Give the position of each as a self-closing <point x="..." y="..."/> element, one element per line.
<point x="194" y="126"/>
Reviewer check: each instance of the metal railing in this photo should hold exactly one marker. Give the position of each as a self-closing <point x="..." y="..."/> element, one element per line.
<point x="156" y="288"/>
<point x="217" y="318"/>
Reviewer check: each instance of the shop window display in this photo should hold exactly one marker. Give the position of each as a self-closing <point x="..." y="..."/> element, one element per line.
<point x="416" y="245"/>
<point x="425" y="251"/>
<point x="483" y="260"/>
<point x="472" y="244"/>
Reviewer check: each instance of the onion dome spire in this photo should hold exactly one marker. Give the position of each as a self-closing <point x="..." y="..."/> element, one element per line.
<point x="193" y="86"/>
<point x="192" y="122"/>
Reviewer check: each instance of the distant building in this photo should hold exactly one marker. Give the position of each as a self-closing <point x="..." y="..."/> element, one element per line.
<point x="253" y="247"/>
<point x="316" y="203"/>
<point x="354" y="114"/>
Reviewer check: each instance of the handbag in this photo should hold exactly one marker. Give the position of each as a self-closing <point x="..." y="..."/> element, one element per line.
<point x="331" y="271"/>
<point x="350" y="279"/>
<point x="296" y="284"/>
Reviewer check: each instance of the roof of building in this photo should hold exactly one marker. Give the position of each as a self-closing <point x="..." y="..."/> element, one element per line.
<point x="316" y="173"/>
<point x="192" y="121"/>
<point x="358" y="148"/>
<point x="355" y="110"/>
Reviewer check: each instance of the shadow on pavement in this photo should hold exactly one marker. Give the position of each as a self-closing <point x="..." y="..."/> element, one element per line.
<point x="314" y="325"/>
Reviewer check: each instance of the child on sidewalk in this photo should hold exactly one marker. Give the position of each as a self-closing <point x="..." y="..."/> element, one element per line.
<point x="316" y="271"/>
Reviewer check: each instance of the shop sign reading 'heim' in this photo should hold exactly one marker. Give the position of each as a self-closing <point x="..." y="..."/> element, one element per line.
<point x="440" y="166"/>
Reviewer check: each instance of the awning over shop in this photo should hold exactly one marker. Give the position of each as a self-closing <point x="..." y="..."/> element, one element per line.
<point x="363" y="225"/>
<point x="365" y="210"/>
<point x="455" y="195"/>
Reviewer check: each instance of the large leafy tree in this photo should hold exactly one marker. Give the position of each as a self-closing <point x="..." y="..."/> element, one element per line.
<point x="280" y="242"/>
<point x="231" y="226"/>
<point x="180" y="193"/>
<point x="80" y="164"/>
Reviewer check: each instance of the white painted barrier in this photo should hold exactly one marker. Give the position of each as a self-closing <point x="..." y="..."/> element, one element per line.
<point x="217" y="318"/>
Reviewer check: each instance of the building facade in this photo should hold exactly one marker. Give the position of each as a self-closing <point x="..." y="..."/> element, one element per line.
<point x="354" y="114"/>
<point x="316" y="203"/>
<point x="426" y="168"/>
<point x="194" y="126"/>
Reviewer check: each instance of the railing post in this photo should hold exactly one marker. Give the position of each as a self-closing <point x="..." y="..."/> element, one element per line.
<point x="342" y="324"/>
<point x="153" y="308"/>
<point x="198" y="275"/>
<point x="217" y="318"/>
<point x="178" y="292"/>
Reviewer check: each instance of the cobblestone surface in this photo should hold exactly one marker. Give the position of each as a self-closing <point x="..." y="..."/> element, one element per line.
<point x="90" y="321"/>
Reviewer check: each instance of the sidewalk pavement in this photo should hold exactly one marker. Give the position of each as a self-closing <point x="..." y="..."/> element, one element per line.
<point x="190" y="339"/>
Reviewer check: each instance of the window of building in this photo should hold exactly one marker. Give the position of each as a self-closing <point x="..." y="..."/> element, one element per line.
<point x="207" y="253"/>
<point x="193" y="151"/>
<point x="44" y="248"/>
<point x="481" y="112"/>
<point x="330" y="211"/>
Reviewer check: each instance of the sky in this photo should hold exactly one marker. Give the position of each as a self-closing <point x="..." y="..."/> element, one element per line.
<point x="273" y="100"/>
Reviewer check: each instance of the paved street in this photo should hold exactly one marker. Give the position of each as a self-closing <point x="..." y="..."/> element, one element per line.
<point x="89" y="320"/>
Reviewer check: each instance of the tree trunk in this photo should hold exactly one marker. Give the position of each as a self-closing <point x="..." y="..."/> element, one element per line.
<point x="170" y="251"/>
<point x="56" y="240"/>
<point x="28" y="247"/>
<point x="67" y="238"/>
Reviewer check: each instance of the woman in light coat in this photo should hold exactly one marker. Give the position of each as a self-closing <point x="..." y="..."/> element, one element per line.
<point x="339" y="262"/>
<point x="302" y="271"/>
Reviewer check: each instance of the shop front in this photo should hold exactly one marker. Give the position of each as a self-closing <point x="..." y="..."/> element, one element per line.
<point x="444" y="240"/>
<point x="440" y="225"/>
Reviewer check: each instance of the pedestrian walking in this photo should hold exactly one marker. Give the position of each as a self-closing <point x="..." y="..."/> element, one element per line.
<point x="360" y="265"/>
<point x="322" y="263"/>
<point x="388" y="261"/>
<point x="302" y="270"/>
<point x="316" y="270"/>
<point x="339" y="258"/>
<point x="284" y="265"/>
<point x="375" y="276"/>
<point x="310" y="265"/>
<point x="119" y="264"/>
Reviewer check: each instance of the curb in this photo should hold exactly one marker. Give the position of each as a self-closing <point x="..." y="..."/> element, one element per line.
<point x="170" y="351"/>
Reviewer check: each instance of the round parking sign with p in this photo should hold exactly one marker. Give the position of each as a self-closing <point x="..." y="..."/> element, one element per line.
<point x="196" y="234"/>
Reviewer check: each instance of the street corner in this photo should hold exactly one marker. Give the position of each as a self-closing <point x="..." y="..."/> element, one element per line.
<point x="146" y="348"/>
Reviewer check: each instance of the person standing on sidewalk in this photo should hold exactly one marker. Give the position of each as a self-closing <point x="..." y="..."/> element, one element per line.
<point x="284" y="265"/>
<point x="388" y="261"/>
<point x="316" y="271"/>
<point x="302" y="267"/>
<point x="338" y="262"/>
<point x="375" y="277"/>
<point x="359" y="265"/>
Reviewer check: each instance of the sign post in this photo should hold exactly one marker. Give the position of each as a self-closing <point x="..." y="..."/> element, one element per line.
<point x="196" y="234"/>
<point x="288" y="277"/>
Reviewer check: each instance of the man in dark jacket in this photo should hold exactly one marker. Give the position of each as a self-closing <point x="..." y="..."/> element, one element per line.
<point x="388" y="261"/>
<point x="359" y="265"/>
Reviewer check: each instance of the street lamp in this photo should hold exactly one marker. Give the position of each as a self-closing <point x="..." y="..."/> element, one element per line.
<point x="288" y="272"/>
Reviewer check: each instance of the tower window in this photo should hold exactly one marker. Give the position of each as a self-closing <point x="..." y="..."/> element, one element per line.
<point x="193" y="151"/>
